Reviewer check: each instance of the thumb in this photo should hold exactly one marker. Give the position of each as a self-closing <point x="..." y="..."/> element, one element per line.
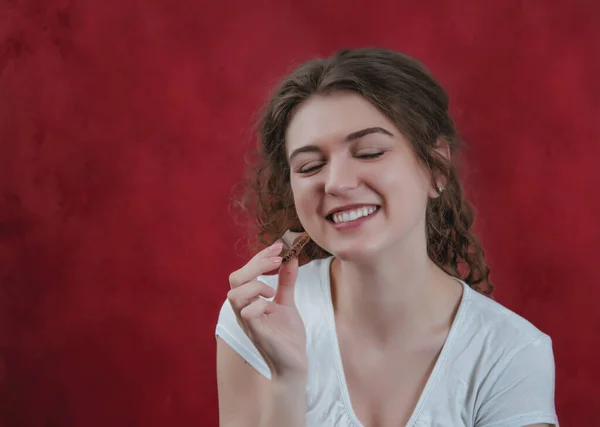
<point x="288" y="272"/>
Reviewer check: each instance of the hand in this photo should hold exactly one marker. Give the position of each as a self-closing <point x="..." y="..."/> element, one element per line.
<point x="275" y="327"/>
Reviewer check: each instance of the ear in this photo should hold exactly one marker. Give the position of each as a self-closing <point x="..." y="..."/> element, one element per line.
<point x="443" y="149"/>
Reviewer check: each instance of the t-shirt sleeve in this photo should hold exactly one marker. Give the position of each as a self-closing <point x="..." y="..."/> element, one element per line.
<point x="521" y="392"/>
<point x="231" y="332"/>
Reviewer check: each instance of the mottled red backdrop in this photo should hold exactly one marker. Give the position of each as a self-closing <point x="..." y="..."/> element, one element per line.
<point x="122" y="131"/>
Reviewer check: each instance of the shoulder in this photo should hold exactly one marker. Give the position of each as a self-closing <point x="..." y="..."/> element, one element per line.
<point x="499" y="326"/>
<point x="491" y="337"/>
<point x="509" y="358"/>
<point x="497" y="357"/>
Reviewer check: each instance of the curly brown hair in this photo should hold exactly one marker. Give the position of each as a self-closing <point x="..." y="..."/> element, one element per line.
<point x="405" y="91"/>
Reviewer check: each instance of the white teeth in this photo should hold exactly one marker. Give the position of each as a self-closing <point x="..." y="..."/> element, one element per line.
<point x="353" y="214"/>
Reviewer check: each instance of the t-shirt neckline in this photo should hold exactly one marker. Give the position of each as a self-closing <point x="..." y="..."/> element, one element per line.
<point x="337" y="357"/>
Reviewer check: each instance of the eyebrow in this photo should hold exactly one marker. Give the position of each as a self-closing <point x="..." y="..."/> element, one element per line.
<point x="349" y="138"/>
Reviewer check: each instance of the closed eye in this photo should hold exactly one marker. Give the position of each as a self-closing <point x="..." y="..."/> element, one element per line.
<point x="370" y="155"/>
<point x="318" y="166"/>
<point x="310" y="169"/>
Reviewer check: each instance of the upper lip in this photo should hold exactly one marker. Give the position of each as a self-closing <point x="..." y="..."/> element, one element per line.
<point x="349" y="207"/>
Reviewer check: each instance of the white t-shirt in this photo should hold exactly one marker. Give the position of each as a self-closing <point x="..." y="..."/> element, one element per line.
<point x="495" y="369"/>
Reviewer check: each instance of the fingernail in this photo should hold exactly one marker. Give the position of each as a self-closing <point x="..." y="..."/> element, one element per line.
<point x="276" y="247"/>
<point x="276" y="259"/>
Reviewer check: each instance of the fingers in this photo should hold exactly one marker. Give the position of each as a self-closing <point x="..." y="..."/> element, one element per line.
<point x="243" y="296"/>
<point x="287" y="282"/>
<point x="263" y="262"/>
<point x="255" y="309"/>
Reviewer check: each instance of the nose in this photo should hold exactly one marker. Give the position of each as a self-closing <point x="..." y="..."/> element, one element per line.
<point x="340" y="178"/>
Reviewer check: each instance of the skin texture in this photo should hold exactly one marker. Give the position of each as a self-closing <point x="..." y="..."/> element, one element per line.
<point x="336" y="175"/>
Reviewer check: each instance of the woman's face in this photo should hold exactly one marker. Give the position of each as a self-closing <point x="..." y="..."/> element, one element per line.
<point x="358" y="187"/>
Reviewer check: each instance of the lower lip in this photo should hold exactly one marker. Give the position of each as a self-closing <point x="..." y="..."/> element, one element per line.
<point x="350" y="225"/>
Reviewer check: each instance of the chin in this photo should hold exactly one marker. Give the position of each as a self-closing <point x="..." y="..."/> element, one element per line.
<point x="355" y="255"/>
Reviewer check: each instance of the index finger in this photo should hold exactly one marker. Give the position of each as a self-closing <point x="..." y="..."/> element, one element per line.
<point x="261" y="263"/>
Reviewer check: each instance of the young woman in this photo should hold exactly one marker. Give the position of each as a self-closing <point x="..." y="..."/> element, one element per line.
<point x="388" y="320"/>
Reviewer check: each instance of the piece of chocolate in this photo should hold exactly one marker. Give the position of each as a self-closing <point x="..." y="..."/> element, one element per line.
<point x="293" y="242"/>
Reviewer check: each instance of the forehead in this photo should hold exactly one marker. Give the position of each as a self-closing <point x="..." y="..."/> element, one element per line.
<point x="324" y="118"/>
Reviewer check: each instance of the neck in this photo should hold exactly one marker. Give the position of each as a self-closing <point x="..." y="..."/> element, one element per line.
<point x="396" y="297"/>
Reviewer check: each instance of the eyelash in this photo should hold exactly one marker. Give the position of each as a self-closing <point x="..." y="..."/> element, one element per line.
<point x="364" y="157"/>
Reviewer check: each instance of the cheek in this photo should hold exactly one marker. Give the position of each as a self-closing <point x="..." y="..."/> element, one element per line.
<point x="391" y="182"/>
<point x="401" y="183"/>
<point x="303" y="199"/>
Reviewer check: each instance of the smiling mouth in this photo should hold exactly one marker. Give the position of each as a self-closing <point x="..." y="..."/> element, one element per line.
<point x="352" y="214"/>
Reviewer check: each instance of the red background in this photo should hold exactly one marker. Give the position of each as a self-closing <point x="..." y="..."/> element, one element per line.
<point x="122" y="131"/>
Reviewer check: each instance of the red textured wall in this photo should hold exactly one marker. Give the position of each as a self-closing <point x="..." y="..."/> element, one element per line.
<point x="122" y="128"/>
